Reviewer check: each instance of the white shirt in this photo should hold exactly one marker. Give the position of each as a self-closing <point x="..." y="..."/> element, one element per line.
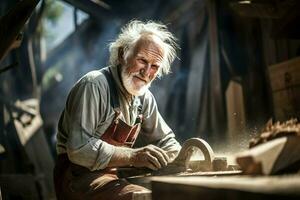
<point x="88" y="113"/>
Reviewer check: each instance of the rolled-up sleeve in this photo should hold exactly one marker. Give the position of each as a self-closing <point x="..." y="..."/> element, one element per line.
<point x="85" y="109"/>
<point x="154" y="128"/>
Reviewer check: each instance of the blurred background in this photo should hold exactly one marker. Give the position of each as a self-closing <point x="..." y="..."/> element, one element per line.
<point x="238" y="67"/>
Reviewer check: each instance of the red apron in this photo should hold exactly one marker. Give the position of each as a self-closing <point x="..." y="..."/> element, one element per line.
<point x="74" y="182"/>
<point x="121" y="134"/>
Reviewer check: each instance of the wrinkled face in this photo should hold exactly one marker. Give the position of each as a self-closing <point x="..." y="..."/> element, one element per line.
<point x="141" y="65"/>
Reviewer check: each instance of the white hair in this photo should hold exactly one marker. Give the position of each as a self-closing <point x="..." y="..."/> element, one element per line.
<point x="131" y="33"/>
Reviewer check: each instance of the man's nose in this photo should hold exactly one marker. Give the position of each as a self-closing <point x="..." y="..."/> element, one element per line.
<point x="146" y="70"/>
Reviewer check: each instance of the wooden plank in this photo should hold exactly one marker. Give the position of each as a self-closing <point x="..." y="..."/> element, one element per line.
<point x="285" y="85"/>
<point x="212" y="173"/>
<point x="286" y="103"/>
<point x="285" y="74"/>
<point x="270" y="157"/>
<point x="29" y="122"/>
<point x="238" y="187"/>
<point x="235" y="109"/>
<point x="27" y="132"/>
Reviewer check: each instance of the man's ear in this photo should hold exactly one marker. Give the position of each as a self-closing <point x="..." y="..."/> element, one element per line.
<point x="121" y="56"/>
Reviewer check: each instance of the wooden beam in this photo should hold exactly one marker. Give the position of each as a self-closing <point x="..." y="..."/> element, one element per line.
<point x="216" y="93"/>
<point x="12" y="23"/>
<point x="94" y="9"/>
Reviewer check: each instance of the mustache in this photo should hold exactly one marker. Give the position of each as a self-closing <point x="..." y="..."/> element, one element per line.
<point x="140" y="76"/>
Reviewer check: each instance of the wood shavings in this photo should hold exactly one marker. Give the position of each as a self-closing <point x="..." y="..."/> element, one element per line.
<point x="276" y="130"/>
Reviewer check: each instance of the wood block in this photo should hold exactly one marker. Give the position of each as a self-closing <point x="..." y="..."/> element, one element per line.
<point x="270" y="157"/>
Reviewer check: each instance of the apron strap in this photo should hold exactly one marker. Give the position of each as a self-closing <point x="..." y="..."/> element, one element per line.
<point x="114" y="99"/>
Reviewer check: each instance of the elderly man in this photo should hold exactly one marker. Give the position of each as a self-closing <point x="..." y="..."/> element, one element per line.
<point x="111" y="118"/>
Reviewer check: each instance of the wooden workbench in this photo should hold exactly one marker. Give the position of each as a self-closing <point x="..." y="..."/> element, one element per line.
<point x="226" y="187"/>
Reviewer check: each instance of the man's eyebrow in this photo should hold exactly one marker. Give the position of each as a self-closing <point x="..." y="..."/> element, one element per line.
<point x="140" y="56"/>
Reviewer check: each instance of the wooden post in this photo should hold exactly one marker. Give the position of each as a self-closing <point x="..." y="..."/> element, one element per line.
<point x="235" y="109"/>
<point x="216" y="94"/>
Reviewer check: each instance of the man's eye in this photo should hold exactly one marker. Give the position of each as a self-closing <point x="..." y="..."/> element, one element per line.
<point x="155" y="67"/>
<point x="143" y="61"/>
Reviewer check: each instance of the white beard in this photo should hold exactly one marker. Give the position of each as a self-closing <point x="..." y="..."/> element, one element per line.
<point x="129" y="84"/>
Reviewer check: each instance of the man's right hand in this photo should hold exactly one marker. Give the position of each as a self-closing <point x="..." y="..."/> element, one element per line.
<point x="149" y="156"/>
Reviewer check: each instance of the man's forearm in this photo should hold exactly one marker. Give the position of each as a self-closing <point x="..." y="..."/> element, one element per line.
<point x="149" y="156"/>
<point x="121" y="157"/>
